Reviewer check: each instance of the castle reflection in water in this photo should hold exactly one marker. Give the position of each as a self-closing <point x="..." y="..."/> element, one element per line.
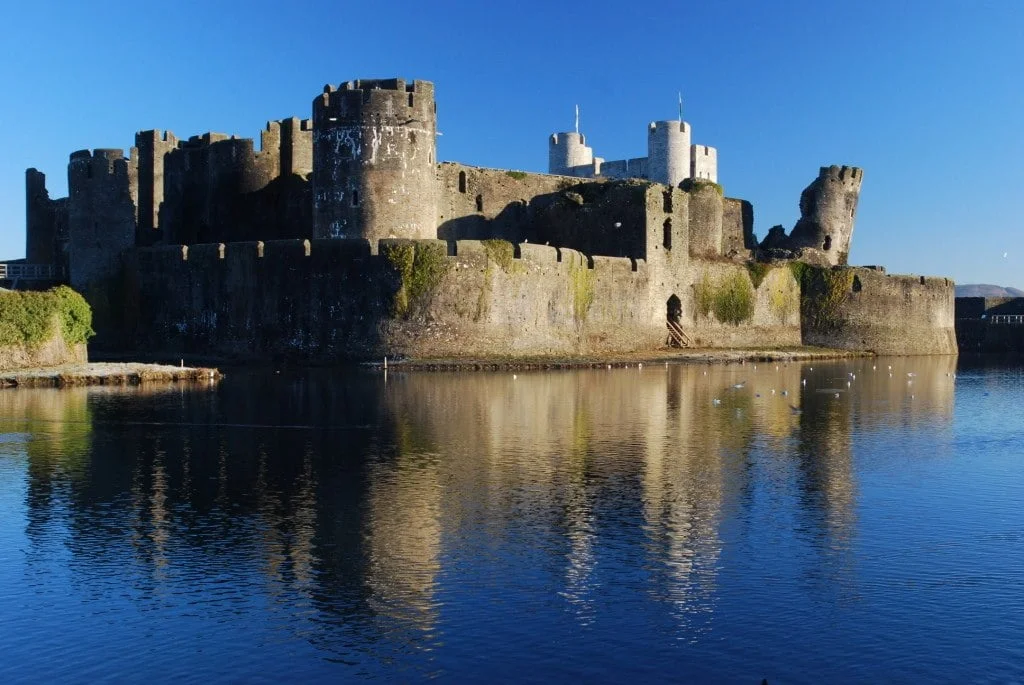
<point x="359" y="503"/>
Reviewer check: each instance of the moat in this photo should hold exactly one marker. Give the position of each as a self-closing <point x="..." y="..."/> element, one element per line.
<point x="704" y="523"/>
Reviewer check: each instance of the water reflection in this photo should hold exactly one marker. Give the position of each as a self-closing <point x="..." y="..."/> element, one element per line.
<point x="360" y="513"/>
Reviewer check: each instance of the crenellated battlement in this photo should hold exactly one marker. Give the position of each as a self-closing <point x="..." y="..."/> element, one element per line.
<point x="394" y="95"/>
<point x="844" y="174"/>
<point x="673" y="126"/>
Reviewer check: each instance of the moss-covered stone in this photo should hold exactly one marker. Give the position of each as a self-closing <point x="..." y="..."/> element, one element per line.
<point x="502" y="253"/>
<point x="822" y="294"/>
<point x="731" y="300"/>
<point x="420" y="267"/>
<point x="583" y="282"/>
<point x="758" y="271"/>
<point x="696" y="185"/>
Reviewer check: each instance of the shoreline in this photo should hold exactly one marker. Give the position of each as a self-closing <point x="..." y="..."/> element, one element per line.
<point x="620" y="359"/>
<point x="105" y="373"/>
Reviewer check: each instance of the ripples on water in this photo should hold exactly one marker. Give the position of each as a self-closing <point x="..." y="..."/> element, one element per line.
<point x="628" y="524"/>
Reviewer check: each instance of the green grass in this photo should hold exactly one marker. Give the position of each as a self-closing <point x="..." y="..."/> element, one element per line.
<point x="517" y="175"/>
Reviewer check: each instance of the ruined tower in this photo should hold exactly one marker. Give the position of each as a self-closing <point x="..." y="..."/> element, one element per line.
<point x="101" y="214"/>
<point x="40" y="223"/>
<point x="668" y="152"/>
<point x="828" y="209"/>
<point x="374" y="161"/>
<point x="153" y="147"/>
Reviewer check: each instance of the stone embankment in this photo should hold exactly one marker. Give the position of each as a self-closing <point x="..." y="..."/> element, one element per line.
<point x="685" y="356"/>
<point x="105" y="374"/>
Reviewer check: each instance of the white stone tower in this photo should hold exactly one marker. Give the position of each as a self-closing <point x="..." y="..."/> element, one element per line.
<point x="568" y="150"/>
<point x="668" y="152"/>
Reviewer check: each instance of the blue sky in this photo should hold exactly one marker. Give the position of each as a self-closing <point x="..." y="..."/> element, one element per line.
<point x="926" y="96"/>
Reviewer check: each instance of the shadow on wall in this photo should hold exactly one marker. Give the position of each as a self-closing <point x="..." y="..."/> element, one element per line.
<point x="594" y="218"/>
<point x="280" y="210"/>
<point x="509" y="224"/>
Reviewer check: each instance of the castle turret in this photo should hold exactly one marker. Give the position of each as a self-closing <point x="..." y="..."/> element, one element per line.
<point x="153" y="147"/>
<point x="704" y="163"/>
<point x="568" y="150"/>
<point x="828" y="209"/>
<point x="374" y="161"/>
<point x="101" y="214"/>
<point x="40" y="223"/>
<point x="668" y="152"/>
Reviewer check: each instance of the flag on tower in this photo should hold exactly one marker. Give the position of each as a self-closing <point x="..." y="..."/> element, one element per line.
<point x="577" y="118"/>
<point x="680" y="106"/>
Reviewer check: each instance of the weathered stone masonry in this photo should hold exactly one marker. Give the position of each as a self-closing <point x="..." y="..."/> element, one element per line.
<point x="343" y="237"/>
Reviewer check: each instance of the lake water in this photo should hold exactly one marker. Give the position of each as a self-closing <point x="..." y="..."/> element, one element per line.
<point x="623" y="525"/>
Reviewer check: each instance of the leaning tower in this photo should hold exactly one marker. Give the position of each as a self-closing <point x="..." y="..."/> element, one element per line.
<point x="828" y="210"/>
<point x="374" y="161"/>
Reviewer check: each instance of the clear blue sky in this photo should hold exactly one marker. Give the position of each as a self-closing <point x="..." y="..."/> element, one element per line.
<point x="927" y="96"/>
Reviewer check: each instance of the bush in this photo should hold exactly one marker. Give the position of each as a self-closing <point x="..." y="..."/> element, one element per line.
<point x="27" y="317"/>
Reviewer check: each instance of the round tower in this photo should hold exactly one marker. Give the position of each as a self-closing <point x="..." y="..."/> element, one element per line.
<point x="668" y="152"/>
<point x="828" y="209"/>
<point x="568" y="150"/>
<point x="374" y="161"/>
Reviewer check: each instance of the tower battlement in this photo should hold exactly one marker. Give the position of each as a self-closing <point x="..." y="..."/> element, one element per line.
<point x="374" y="160"/>
<point x="850" y="175"/>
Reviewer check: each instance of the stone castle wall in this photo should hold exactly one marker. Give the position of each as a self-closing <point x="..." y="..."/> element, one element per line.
<point x="325" y="300"/>
<point x="885" y="314"/>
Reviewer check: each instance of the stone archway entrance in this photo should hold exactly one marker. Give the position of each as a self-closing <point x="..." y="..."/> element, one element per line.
<point x="673" y="320"/>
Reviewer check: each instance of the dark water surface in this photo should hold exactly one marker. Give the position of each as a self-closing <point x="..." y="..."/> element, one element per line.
<point x="612" y="525"/>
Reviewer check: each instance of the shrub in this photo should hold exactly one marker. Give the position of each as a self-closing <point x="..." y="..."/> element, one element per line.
<point x="27" y="317"/>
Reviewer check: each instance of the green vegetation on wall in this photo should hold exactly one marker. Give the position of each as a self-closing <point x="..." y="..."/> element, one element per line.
<point x="731" y="300"/>
<point x="691" y="185"/>
<point x="27" y="317"/>
<point x="822" y="293"/>
<point x="758" y="271"/>
<point x="583" y="280"/>
<point x="517" y="175"/>
<point x="502" y="253"/>
<point x="421" y="268"/>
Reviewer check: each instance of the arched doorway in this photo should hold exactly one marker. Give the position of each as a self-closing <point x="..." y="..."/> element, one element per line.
<point x="673" y="319"/>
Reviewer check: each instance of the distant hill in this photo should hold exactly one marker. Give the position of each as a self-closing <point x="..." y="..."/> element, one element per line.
<point x="984" y="290"/>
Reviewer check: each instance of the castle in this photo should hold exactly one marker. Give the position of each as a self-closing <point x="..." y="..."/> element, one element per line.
<point x="670" y="160"/>
<point x="344" y="237"/>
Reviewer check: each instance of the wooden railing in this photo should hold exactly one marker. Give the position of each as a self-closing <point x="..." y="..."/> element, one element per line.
<point x="676" y="336"/>
<point x="20" y="271"/>
<point x="1006" y="318"/>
